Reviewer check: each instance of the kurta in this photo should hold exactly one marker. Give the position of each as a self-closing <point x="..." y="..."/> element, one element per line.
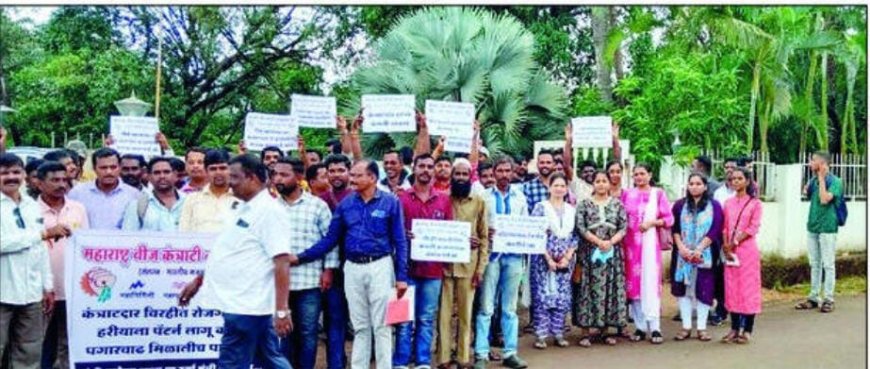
<point x="601" y="300"/>
<point x="743" y="282"/>
<point x="705" y="279"/>
<point x="635" y="202"/>
<point x="551" y="290"/>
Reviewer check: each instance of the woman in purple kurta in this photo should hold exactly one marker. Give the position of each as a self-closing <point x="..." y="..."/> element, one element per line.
<point x="697" y="231"/>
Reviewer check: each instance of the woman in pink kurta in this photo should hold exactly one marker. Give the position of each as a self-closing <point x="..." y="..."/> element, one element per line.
<point x="743" y="260"/>
<point x="648" y="210"/>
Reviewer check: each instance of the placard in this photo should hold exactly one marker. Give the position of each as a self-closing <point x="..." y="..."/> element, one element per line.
<point x="441" y="240"/>
<point x="122" y="301"/>
<point x="313" y="111"/>
<point x="263" y="130"/>
<point x="135" y="135"/>
<point x="389" y="113"/>
<point x="592" y="132"/>
<point x="519" y="234"/>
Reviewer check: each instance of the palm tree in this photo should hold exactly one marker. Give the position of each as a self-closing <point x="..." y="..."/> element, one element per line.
<point x="467" y="55"/>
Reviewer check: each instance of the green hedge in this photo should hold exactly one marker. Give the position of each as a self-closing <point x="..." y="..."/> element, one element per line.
<point x="777" y="271"/>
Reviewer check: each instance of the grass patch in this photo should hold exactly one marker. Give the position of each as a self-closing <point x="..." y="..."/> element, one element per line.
<point x="847" y="286"/>
<point x="779" y="273"/>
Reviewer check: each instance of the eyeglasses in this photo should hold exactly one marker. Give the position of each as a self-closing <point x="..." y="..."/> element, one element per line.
<point x="18" y="219"/>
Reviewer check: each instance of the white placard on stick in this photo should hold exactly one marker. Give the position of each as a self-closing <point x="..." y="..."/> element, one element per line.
<point x="592" y="132"/>
<point x="135" y="135"/>
<point x="313" y="111"/>
<point x="389" y="113"/>
<point x="453" y="120"/>
<point x="262" y="130"/>
<point x="441" y="240"/>
<point x="519" y="234"/>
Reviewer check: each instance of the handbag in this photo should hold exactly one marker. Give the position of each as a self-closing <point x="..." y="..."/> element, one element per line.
<point x="666" y="239"/>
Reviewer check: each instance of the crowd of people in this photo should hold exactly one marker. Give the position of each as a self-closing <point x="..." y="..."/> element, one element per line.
<point x="310" y="239"/>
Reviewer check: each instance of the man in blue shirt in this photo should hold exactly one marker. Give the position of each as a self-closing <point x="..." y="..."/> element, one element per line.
<point x="371" y="226"/>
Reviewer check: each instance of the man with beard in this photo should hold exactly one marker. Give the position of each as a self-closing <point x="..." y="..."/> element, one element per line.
<point x="369" y="226"/>
<point x="194" y="162"/>
<point x="537" y="189"/>
<point x="58" y="210"/>
<point x="133" y="171"/>
<point x="335" y="304"/>
<point x="442" y="175"/>
<point x="207" y="210"/>
<point x="485" y="178"/>
<point x="521" y="172"/>
<point x="422" y="202"/>
<point x="461" y="279"/>
<point x="158" y="209"/>
<point x="26" y="282"/>
<point x="396" y="180"/>
<point x="309" y="219"/>
<point x="105" y="198"/>
<point x="270" y="155"/>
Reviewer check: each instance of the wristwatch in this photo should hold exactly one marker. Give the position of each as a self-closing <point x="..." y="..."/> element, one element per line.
<point x="282" y="314"/>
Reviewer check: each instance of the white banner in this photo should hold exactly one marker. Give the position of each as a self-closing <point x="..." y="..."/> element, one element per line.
<point x="135" y="135"/>
<point x="441" y="240"/>
<point x="313" y="111"/>
<point x="122" y="301"/>
<point x="519" y="234"/>
<point x="453" y="120"/>
<point x="592" y="132"/>
<point x="263" y="130"/>
<point x="389" y="113"/>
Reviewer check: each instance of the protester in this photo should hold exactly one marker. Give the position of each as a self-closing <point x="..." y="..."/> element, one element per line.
<point x="461" y="279"/>
<point x="536" y="190"/>
<point x="317" y="178"/>
<point x="105" y="198"/>
<point x="725" y="192"/>
<point x="194" y="162"/>
<point x="26" y="281"/>
<point x="308" y="217"/>
<point x="826" y="192"/>
<point x="337" y="169"/>
<point x="697" y="232"/>
<point x="648" y="210"/>
<point x="442" y="175"/>
<point x="503" y="273"/>
<point x="134" y="171"/>
<point x="521" y="171"/>
<point x="270" y="155"/>
<point x="65" y="158"/>
<point x="209" y="209"/>
<point x="31" y="187"/>
<point x="702" y="164"/>
<point x="57" y="209"/>
<point x="614" y="173"/>
<point x="721" y="195"/>
<point x="743" y="268"/>
<point x="600" y="303"/>
<point x="371" y="225"/>
<point x="485" y="178"/>
<point x="551" y="272"/>
<point x="396" y="179"/>
<point x="158" y="209"/>
<point x="248" y="273"/>
<point x="180" y="170"/>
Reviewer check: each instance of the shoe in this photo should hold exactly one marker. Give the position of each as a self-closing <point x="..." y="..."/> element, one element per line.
<point x="514" y="362"/>
<point x="480" y="363"/>
<point x="494" y="356"/>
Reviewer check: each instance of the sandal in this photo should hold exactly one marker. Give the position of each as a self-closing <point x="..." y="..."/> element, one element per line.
<point x="610" y="340"/>
<point x="743" y="338"/>
<point x="585" y="342"/>
<point x="638" y="336"/>
<point x="728" y="338"/>
<point x="656" y="338"/>
<point x="540" y="344"/>
<point x="827" y="307"/>
<point x="806" y="305"/>
<point x="704" y="336"/>
<point x="494" y="356"/>
<point x="685" y="333"/>
<point x="562" y="342"/>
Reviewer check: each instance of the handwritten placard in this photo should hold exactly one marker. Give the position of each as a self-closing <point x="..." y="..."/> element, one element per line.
<point x="592" y="132"/>
<point x="135" y="135"/>
<point x="122" y="301"/>
<point x="313" y="111"/>
<point x="453" y="120"/>
<point x="441" y="240"/>
<point x="389" y="113"/>
<point x="519" y="234"/>
<point x="263" y="130"/>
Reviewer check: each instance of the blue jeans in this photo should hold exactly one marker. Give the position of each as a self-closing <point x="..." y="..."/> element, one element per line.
<point x="335" y="322"/>
<point x="427" y="297"/>
<point x="301" y="348"/>
<point x="503" y="274"/>
<point x="246" y="335"/>
<point x="821" y="249"/>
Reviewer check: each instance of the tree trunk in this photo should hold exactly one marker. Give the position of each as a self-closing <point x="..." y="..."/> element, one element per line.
<point x="822" y="124"/>
<point x="763" y="125"/>
<point x="756" y="75"/>
<point x="600" y="30"/>
<point x="808" y="98"/>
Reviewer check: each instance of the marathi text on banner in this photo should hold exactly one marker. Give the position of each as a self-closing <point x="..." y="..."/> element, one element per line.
<point x="313" y="111"/>
<point x="135" y="135"/>
<point x="453" y="120"/>
<point x="519" y="234"/>
<point x="441" y="240"/>
<point x="263" y="130"/>
<point x="389" y="113"/>
<point x="592" y="132"/>
<point x="122" y="301"/>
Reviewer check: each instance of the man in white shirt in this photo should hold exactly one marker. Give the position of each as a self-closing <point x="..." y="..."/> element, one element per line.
<point x="249" y="273"/>
<point x="724" y="192"/>
<point x="26" y="286"/>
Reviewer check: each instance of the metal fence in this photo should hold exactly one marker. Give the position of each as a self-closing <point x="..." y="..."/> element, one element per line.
<point x="763" y="172"/>
<point x="852" y="170"/>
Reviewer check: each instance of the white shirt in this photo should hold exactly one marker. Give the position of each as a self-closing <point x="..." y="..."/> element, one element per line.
<point x="240" y="273"/>
<point x="581" y="189"/>
<point x="25" y="269"/>
<point x="515" y="197"/>
<point x="722" y="194"/>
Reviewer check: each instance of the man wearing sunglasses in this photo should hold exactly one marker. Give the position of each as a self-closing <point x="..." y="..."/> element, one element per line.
<point x="26" y="285"/>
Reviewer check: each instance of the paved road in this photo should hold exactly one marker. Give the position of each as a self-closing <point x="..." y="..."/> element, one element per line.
<point x="784" y="338"/>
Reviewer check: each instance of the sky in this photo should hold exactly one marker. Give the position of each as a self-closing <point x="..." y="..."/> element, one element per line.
<point x="37" y="14"/>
